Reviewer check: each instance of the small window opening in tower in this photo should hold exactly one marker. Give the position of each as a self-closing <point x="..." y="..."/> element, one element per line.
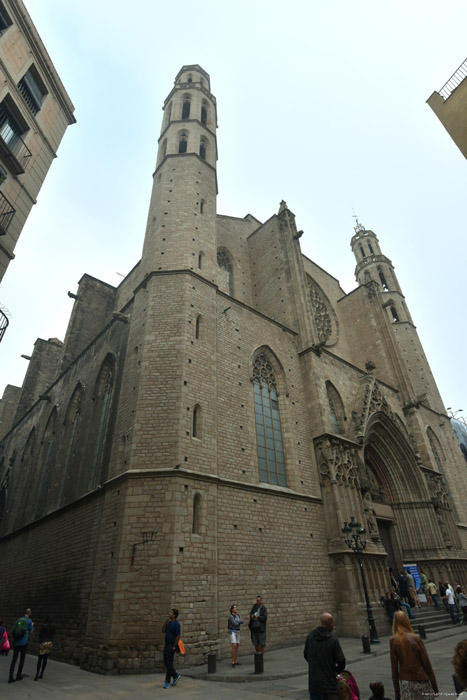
<point x="395" y="316"/>
<point x="383" y="280"/>
<point x="370" y="248"/>
<point x="204" y="114"/>
<point x="196" y="514"/>
<point x="200" y="261"/>
<point x="196" y="422"/>
<point x="362" y="252"/>
<point x="169" y="113"/>
<point x="190" y="78"/>
<point x="183" y="143"/>
<point x="201" y="206"/>
<point x="186" y="109"/>
<point x="202" y="149"/>
<point x="198" y="327"/>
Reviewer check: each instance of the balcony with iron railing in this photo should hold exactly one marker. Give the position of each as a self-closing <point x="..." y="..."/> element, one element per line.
<point x="7" y="212"/>
<point x="454" y="81"/>
<point x="12" y="147"/>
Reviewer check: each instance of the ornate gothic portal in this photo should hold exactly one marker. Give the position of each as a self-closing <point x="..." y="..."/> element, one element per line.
<point x="402" y="505"/>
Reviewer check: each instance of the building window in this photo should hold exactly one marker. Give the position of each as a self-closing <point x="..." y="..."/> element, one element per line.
<point x="224" y="263"/>
<point x="5" y="21"/>
<point x="196" y="514"/>
<point x="32" y="89"/>
<point x="197" y="422"/>
<point x="362" y="252"/>
<point x="72" y="421"/>
<point x="103" y="398"/>
<point x="186" y="108"/>
<point x="183" y="143"/>
<point x="200" y="261"/>
<point x="201" y="206"/>
<point x="336" y="408"/>
<point x="203" y="147"/>
<point x="48" y="450"/>
<point x="190" y="78"/>
<point x="370" y="248"/>
<point x="271" y="463"/>
<point x="395" y="315"/>
<point x="383" y="280"/>
<point x="204" y="113"/>
<point x="198" y="328"/>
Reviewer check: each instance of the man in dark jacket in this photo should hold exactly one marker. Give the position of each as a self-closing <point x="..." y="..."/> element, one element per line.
<point x="257" y="624"/>
<point x="325" y="659"/>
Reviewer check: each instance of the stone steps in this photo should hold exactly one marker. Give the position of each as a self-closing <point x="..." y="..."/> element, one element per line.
<point x="433" y="620"/>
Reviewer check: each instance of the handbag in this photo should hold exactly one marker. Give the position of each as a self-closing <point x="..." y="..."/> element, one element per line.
<point x="181" y="647"/>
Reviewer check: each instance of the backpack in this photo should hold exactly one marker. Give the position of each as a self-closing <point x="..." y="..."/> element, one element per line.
<point x="351" y="692"/>
<point x="4" y="643"/>
<point x="19" y="629"/>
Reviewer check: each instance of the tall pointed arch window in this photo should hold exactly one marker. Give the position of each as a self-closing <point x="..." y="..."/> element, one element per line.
<point x="186" y="108"/>
<point x="183" y="142"/>
<point x="224" y="263"/>
<point x="204" y="112"/>
<point x="72" y="421"/>
<point x="271" y="463"/>
<point x="383" y="280"/>
<point x="103" y="397"/>
<point x="48" y="451"/>
<point x="203" y="145"/>
<point x="336" y="408"/>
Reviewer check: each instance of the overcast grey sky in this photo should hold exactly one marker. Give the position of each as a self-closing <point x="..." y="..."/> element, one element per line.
<point x="320" y="103"/>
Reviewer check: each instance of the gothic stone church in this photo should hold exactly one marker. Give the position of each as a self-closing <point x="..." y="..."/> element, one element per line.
<point x="205" y="429"/>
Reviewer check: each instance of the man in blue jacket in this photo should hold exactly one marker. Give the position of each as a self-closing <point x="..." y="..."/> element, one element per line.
<point x="325" y="659"/>
<point x="22" y="628"/>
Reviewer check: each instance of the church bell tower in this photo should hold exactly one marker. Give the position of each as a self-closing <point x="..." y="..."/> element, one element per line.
<point x="181" y="227"/>
<point x="373" y="266"/>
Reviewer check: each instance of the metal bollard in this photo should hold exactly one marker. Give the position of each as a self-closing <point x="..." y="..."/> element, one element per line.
<point x="422" y="631"/>
<point x="212" y="659"/>
<point x="366" y="644"/>
<point x="258" y="662"/>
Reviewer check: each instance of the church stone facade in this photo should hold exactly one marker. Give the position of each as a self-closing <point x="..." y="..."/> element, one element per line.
<point x="206" y="428"/>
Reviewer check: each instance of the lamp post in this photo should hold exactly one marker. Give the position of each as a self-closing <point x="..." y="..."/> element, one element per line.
<point x="357" y="545"/>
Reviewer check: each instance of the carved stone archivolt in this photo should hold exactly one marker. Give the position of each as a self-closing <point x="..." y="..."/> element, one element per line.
<point x="437" y="489"/>
<point x="324" y="316"/>
<point x="369" y="483"/>
<point x="337" y="461"/>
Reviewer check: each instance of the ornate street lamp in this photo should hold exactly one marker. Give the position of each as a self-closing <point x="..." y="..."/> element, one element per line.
<point x="357" y="545"/>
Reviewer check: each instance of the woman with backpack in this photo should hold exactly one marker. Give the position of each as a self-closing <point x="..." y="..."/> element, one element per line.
<point x="45" y="646"/>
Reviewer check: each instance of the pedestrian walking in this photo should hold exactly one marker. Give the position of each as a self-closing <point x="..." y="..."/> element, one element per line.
<point x="257" y="624"/>
<point x="171" y="629"/>
<point x="325" y="659"/>
<point x="46" y="636"/>
<point x="451" y="603"/>
<point x="432" y="588"/>
<point x="462" y="602"/>
<point x="22" y="629"/>
<point x="459" y="661"/>
<point x="412" y="673"/>
<point x="234" y="632"/>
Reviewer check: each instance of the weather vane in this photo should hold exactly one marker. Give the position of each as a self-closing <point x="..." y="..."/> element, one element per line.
<point x="358" y="226"/>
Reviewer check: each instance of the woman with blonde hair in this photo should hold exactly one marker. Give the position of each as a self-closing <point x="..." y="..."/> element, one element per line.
<point x="412" y="673"/>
